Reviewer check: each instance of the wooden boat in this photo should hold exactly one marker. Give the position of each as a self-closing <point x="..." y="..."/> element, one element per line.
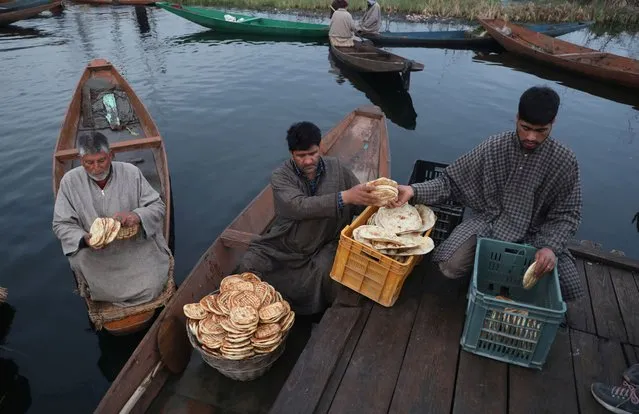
<point x="464" y="39"/>
<point x="367" y="58"/>
<point x="383" y="90"/>
<point x="225" y="22"/>
<point x="360" y="141"/>
<point x="603" y="66"/>
<point x="24" y="9"/>
<point x="139" y="143"/>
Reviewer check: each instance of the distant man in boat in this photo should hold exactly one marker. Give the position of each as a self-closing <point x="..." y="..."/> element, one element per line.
<point x="315" y="197"/>
<point x="126" y="272"/>
<point x="342" y="27"/>
<point x="372" y="20"/>
<point x="523" y="186"/>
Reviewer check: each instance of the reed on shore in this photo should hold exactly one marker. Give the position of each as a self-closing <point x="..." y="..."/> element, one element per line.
<point x="617" y="12"/>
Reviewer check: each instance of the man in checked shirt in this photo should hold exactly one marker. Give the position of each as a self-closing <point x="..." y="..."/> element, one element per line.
<point x="523" y="187"/>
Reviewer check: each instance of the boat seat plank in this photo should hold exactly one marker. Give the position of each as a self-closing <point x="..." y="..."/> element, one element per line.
<point x="132" y="144"/>
<point x="594" y="254"/>
<point x="533" y="391"/>
<point x="429" y="354"/>
<point x="377" y="360"/>
<point x="607" y="314"/>
<point x="627" y="293"/>
<point x="482" y="385"/>
<point x="595" y="359"/>
<point x="302" y="390"/>
<point x="237" y="239"/>
<point x="579" y="313"/>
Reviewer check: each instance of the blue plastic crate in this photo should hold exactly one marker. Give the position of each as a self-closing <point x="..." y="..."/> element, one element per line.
<point x="520" y="332"/>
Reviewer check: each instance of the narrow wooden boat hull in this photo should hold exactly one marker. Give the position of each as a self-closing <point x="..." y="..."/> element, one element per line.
<point x="463" y="39"/>
<point x="146" y="150"/>
<point x="360" y="141"/>
<point x="215" y="19"/>
<point x="603" y="66"/>
<point x="367" y="58"/>
<point x="9" y="17"/>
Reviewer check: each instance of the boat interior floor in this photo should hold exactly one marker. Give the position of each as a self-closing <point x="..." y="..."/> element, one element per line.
<point x="202" y="387"/>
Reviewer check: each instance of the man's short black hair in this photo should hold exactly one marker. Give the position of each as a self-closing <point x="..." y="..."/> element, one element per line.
<point x="538" y="105"/>
<point x="301" y="136"/>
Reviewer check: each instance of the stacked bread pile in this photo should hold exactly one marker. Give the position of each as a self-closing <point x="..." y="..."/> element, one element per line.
<point x="385" y="190"/>
<point x="398" y="232"/>
<point x="247" y="317"/>
<point x="103" y="231"/>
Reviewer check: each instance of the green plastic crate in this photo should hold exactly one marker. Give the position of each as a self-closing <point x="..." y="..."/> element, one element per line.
<point x="520" y="332"/>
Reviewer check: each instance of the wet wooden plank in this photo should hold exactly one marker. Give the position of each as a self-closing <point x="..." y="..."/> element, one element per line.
<point x="580" y="314"/>
<point x="304" y="387"/>
<point x="369" y="381"/>
<point x="551" y="390"/>
<point x="592" y="253"/>
<point x="632" y="354"/>
<point x="628" y="299"/>
<point x="595" y="360"/>
<point x="604" y="303"/>
<point x="482" y="385"/>
<point x="129" y="145"/>
<point x="427" y="377"/>
<point x="338" y="373"/>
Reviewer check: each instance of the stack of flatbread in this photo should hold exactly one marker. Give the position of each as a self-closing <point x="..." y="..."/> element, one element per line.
<point x="103" y="231"/>
<point x="385" y="190"/>
<point x="398" y="232"/>
<point x="247" y="317"/>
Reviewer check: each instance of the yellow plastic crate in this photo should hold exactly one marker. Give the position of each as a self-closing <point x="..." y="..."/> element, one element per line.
<point x="366" y="270"/>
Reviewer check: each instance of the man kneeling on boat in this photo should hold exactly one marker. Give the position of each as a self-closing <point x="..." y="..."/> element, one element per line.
<point x="522" y="186"/>
<point x="315" y="197"/>
<point x="125" y="272"/>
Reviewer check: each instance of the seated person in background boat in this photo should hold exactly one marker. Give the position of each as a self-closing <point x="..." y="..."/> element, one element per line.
<point x="126" y="272"/>
<point x="315" y="197"/>
<point x="522" y="186"/>
<point x="342" y="27"/>
<point x="372" y="20"/>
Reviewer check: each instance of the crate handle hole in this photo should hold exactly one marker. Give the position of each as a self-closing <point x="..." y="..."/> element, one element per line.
<point x="370" y="256"/>
<point x="513" y="251"/>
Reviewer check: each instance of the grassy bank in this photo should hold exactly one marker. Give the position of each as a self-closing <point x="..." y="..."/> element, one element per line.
<point x="616" y="12"/>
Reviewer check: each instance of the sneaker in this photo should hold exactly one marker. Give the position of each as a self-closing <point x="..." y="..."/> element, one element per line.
<point x="622" y="399"/>
<point x="631" y="375"/>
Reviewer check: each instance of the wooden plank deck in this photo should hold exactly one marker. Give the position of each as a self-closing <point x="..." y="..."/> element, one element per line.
<point x="365" y="358"/>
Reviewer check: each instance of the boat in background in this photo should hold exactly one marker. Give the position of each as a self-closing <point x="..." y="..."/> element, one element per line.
<point x="464" y="39"/>
<point x="364" y="57"/>
<point x="138" y="142"/>
<point x="607" y="67"/>
<point x="226" y="22"/>
<point x="14" y="11"/>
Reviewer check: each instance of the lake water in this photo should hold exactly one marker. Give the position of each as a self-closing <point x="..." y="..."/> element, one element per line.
<point x="223" y="107"/>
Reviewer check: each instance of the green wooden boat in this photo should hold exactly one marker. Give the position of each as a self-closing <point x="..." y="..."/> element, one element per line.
<point x="225" y="22"/>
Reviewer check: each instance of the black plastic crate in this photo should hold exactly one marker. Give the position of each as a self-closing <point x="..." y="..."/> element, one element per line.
<point x="449" y="214"/>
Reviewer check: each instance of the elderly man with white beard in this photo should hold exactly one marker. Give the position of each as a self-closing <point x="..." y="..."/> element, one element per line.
<point x="126" y="272"/>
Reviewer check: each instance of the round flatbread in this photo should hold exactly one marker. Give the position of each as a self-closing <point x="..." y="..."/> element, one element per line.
<point x="96" y="231"/>
<point x="427" y="215"/>
<point x="194" y="311"/>
<point x="113" y="231"/>
<point x="425" y="247"/>
<point x="383" y="181"/>
<point x="374" y="233"/>
<point x="244" y="316"/>
<point x="272" y="313"/>
<point x="250" y="277"/>
<point x="529" y="277"/>
<point x="399" y="220"/>
<point x="267" y="330"/>
<point x="228" y="281"/>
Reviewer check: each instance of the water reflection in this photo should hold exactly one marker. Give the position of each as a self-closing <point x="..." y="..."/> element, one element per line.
<point x="115" y="351"/>
<point x="383" y="90"/>
<point x="15" y="391"/>
<point x="142" y="19"/>
<point x="210" y="36"/>
<point x="571" y="80"/>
